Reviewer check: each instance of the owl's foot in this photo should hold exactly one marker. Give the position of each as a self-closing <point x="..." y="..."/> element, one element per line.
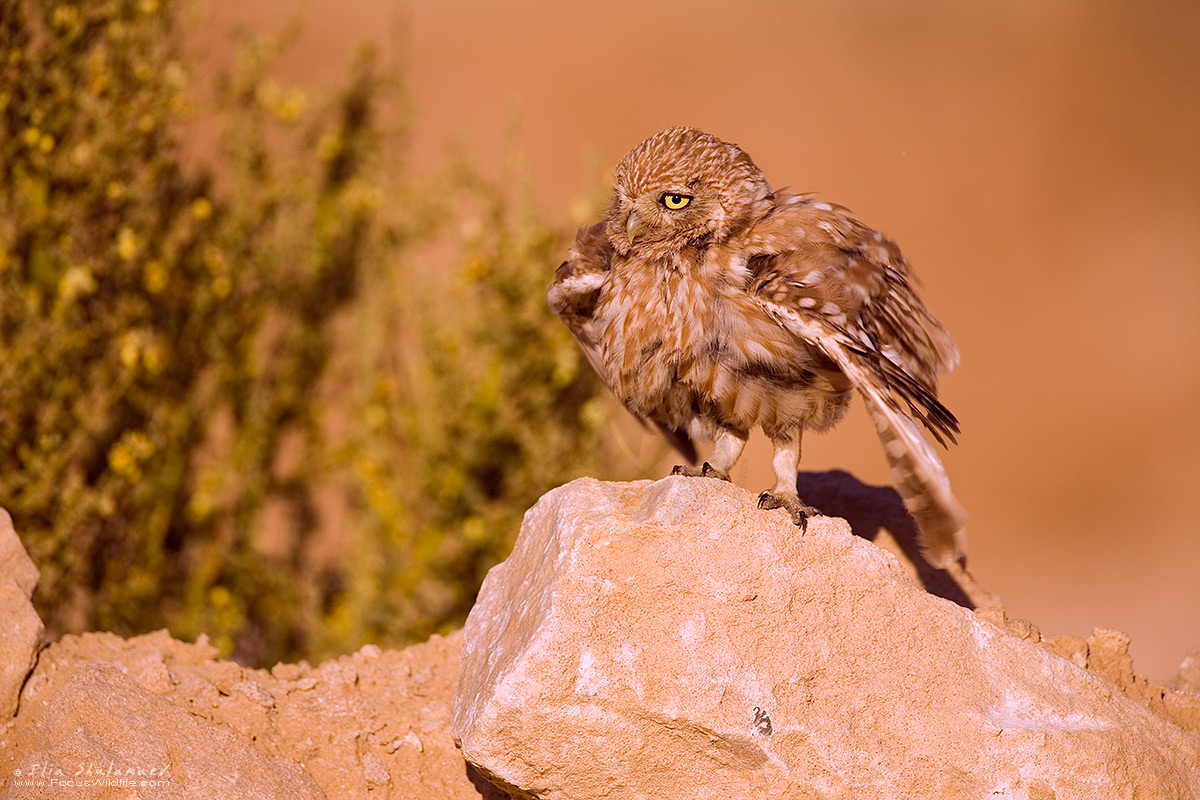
<point x="788" y="500"/>
<point x="705" y="470"/>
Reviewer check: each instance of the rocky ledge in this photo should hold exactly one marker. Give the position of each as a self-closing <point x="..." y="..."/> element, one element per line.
<point x="653" y="640"/>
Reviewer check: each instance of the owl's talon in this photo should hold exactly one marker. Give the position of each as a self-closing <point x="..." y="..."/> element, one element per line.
<point x="791" y="503"/>
<point x="705" y="470"/>
<point x="709" y="471"/>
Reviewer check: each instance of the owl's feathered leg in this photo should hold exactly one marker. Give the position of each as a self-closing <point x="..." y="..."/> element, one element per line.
<point x="729" y="446"/>
<point x="785" y="461"/>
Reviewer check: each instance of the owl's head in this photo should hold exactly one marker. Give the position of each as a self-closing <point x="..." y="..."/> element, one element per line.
<point x="683" y="187"/>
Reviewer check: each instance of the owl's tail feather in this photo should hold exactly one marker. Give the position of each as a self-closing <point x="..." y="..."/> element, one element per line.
<point x="923" y="485"/>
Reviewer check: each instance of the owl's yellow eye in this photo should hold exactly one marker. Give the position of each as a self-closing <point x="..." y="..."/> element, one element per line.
<point x="675" y="201"/>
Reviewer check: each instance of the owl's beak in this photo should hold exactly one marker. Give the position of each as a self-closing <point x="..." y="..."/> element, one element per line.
<point x="633" y="227"/>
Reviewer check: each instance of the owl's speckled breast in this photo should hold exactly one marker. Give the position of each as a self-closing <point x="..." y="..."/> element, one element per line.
<point x="678" y="345"/>
<point x="652" y="328"/>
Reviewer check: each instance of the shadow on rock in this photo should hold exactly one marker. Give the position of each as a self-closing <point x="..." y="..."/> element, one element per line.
<point x="487" y="789"/>
<point x="870" y="509"/>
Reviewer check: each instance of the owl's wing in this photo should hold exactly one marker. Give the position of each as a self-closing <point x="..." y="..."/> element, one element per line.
<point x="576" y="287"/>
<point x="830" y="259"/>
<point x="842" y="287"/>
<point x="578" y="282"/>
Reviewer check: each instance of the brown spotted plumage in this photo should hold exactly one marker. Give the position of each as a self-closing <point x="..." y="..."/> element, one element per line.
<point x="712" y="305"/>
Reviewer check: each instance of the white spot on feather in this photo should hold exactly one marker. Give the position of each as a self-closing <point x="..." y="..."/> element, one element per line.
<point x="737" y="268"/>
<point x="894" y="447"/>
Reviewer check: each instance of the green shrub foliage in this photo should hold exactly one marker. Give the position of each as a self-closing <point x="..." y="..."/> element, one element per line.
<point x="269" y="387"/>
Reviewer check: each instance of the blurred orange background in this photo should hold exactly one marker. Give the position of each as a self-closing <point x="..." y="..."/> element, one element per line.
<point x="1039" y="163"/>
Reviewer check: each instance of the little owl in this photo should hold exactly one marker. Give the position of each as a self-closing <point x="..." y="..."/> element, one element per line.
<point x="712" y="305"/>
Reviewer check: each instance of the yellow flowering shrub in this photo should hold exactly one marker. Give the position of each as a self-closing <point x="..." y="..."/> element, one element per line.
<point x="286" y="397"/>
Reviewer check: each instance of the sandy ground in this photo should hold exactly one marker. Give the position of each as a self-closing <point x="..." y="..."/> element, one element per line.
<point x="1037" y="163"/>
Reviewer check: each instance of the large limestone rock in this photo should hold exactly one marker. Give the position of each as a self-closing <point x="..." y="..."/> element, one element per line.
<point x="670" y="640"/>
<point x="20" y="627"/>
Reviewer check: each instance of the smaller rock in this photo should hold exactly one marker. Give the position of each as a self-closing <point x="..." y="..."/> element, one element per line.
<point x="339" y="672"/>
<point x="1189" y="673"/>
<point x="287" y="672"/>
<point x="255" y="692"/>
<point x="1108" y="654"/>
<point x="374" y="770"/>
<point x="20" y="627"/>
